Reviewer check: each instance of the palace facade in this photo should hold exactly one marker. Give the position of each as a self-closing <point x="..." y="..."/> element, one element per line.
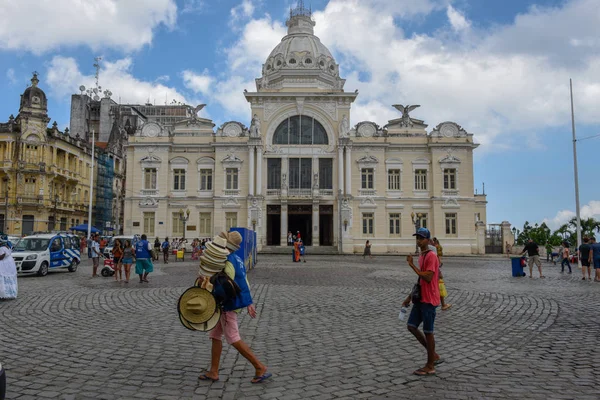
<point x="300" y="166"/>
<point x="45" y="174"/>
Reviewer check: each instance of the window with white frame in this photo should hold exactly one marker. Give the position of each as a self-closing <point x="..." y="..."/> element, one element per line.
<point x="177" y="224"/>
<point x="451" y="224"/>
<point x="422" y="219"/>
<point x="449" y="178"/>
<point x="149" y="223"/>
<point x="205" y="222"/>
<point x="394" y="179"/>
<point x="230" y="220"/>
<point x="231" y="178"/>
<point x="420" y="179"/>
<point x="149" y="178"/>
<point x="395" y="224"/>
<point x="206" y="179"/>
<point x="367" y="178"/>
<point x="179" y="179"/>
<point x="368" y="221"/>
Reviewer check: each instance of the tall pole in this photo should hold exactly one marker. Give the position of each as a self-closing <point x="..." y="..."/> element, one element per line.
<point x="340" y="245"/>
<point x="89" y="232"/>
<point x="5" y="227"/>
<point x="575" y="169"/>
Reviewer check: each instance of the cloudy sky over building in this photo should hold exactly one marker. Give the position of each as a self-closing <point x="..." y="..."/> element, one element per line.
<point x="500" y="69"/>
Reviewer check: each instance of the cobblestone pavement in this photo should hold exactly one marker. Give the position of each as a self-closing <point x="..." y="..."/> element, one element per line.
<point x="327" y="329"/>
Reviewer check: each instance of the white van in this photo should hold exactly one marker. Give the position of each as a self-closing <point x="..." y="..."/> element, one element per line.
<point x="108" y="249"/>
<point x="44" y="252"/>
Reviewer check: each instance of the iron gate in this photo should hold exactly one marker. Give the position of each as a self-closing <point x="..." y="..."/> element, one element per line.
<point x="493" y="239"/>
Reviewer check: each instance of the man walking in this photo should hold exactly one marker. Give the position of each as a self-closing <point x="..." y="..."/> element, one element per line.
<point x="228" y="324"/>
<point x="565" y="260"/>
<point x="143" y="255"/>
<point x="533" y="251"/>
<point x="423" y="310"/>
<point x="595" y="257"/>
<point x="165" y="250"/>
<point x="95" y="250"/>
<point x="584" y="256"/>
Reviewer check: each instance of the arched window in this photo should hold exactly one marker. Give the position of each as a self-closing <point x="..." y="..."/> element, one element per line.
<point x="300" y="129"/>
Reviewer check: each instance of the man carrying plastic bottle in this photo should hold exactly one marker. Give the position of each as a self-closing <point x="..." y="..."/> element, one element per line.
<point x="423" y="310"/>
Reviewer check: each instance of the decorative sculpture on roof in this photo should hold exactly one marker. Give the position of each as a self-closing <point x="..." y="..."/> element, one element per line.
<point x="255" y="127"/>
<point x="407" y="121"/>
<point x="344" y="127"/>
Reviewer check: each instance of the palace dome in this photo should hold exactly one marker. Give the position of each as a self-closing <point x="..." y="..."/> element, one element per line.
<point x="33" y="96"/>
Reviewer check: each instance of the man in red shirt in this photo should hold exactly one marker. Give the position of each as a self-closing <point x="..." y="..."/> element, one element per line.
<point x="423" y="311"/>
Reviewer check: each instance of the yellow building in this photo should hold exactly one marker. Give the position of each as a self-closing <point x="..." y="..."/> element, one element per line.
<point x="301" y="167"/>
<point x="45" y="173"/>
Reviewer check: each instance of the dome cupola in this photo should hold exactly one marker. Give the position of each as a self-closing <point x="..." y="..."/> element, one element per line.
<point x="300" y="60"/>
<point x="33" y="97"/>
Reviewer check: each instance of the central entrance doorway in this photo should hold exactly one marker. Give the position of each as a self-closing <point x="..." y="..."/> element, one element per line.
<point x="326" y="225"/>
<point x="300" y="220"/>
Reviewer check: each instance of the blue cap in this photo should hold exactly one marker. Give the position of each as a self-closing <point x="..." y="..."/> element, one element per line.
<point x="423" y="232"/>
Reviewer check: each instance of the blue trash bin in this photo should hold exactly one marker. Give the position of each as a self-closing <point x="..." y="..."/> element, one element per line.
<point x="517" y="268"/>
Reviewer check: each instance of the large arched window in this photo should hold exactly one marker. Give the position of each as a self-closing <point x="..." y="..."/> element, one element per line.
<point x="300" y="129"/>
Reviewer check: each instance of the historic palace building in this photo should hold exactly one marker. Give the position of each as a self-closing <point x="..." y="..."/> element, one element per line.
<point x="300" y="166"/>
<point x="45" y="174"/>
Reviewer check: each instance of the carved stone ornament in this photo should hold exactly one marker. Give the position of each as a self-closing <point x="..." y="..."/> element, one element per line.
<point x="151" y="129"/>
<point x="255" y="127"/>
<point x="231" y="158"/>
<point x="344" y="127"/>
<point x="232" y="129"/>
<point x="366" y="129"/>
<point x="448" y="129"/>
<point x="231" y="202"/>
<point x="148" y="202"/>
<point x="406" y="121"/>
<point x="368" y="159"/>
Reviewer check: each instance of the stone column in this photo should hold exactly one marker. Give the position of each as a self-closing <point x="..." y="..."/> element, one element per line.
<point x="480" y="236"/>
<point x="315" y="224"/>
<point x="251" y="172"/>
<point x="507" y="236"/>
<point x="259" y="163"/>
<point x="340" y="171"/>
<point x="284" y="224"/>
<point x="348" y="171"/>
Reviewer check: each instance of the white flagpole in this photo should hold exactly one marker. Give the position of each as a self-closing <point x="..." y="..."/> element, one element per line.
<point x="89" y="232"/>
<point x="575" y="169"/>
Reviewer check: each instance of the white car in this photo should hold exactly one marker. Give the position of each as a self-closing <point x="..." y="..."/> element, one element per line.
<point x="44" y="252"/>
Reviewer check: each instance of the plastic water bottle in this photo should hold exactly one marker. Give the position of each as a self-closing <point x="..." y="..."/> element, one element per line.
<point x="403" y="312"/>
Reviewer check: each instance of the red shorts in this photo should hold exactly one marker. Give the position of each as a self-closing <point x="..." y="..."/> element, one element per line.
<point x="228" y="326"/>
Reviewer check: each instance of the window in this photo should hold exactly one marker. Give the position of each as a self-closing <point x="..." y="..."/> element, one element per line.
<point x="420" y="179"/>
<point x="422" y="219"/>
<point x="300" y="173"/>
<point x="206" y="179"/>
<point x="274" y="173"/>
<point x="150" y="178"/>
<point x="31" y="152"/>
<point x="51" y="226"/>
<point x="394" y="179"/>
<point x="300" y="129"/>
<point x="395" y="224"/>
<point x="149" y="223"/>
<point x="205" y="224"/>
<point x="179" y="179"/>
<point x="450" y="224"/>
<point x="231" y="178"/>
<point x="230" y="220"/>
<point x="177" y="225"/>
<point x="63" y="224"/>
<point x="367" y="223"/>
<point x="30" y="186"/>
<point x="367" y="178"/>
<point x="449" y="178"/>
<point x="326" y="173"/>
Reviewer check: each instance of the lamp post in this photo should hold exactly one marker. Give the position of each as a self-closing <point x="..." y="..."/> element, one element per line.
<point x="514" y="231"/>
<point x="55" y="212"/>
<point x="340" y="245"/>
<point x="183" y="217"/>
<point x="416" y="222"/>
<point x="5" y="227"/>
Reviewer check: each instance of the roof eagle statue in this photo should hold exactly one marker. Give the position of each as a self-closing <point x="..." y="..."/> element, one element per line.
<point x="406" y="119"/>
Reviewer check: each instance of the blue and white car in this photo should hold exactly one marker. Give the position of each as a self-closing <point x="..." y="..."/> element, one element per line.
<point x="45" y="252"/>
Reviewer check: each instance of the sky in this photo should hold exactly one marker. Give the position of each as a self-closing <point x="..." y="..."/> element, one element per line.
<point x="499" y="69"/>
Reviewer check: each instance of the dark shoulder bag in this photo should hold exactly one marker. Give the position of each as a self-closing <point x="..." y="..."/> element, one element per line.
<point x="415" y="294"/>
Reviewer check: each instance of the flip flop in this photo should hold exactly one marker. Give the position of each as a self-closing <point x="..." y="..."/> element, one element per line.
<point x="205" y="377"/>
<point x="262" y="378"/>
<point x="422" y="372"/>
<point x="439" y="361"/>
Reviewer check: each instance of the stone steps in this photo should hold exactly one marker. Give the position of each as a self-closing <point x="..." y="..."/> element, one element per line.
<point x="320" y="250"/>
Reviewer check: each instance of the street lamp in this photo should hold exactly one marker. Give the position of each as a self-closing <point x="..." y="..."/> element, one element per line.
<point x="254" y="225"/>
<point x="416" y="222"/>
<point x="514" y="231"/>
<point x="183" y="217"/>
<point x="5" y="227"/>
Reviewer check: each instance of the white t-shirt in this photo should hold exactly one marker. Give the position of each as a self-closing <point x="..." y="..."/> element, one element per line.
<point x="95" y="249"/>
<point x="432" y="248"/>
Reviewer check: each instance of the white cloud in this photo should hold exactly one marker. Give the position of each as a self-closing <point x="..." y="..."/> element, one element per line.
<point x="590" y="210"/>
<point x="457" y="20"/>
<point x="40" y="26"/>
<point x="198" y="83"/>
<point x="193" y="6"/>
<point x="10" y="75"/>
<point x="244" y="10"/>
<point x="64" y="77"/>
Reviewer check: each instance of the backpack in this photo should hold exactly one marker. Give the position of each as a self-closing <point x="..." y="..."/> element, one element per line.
<point x="225" y="290"/>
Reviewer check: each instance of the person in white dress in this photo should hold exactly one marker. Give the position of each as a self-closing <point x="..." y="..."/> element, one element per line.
<point x="8" y="273"/>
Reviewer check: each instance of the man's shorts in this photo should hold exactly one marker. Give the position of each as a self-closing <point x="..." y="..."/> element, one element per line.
<point x="228" y="326"/>
<point x="143" y="265"/>
<point x="596" y="263"/>
<point x="422" y="312"/>
<point x="95" y="261"/>
<point x="585" y="263"/>
<point x="535" y="260"/>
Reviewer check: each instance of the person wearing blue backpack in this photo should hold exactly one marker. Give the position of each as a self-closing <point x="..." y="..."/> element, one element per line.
<point x="228" y="324"/>
<point x="143" y="258"/>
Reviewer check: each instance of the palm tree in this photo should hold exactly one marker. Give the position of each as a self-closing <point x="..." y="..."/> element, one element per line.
<point x="588" y="226"/>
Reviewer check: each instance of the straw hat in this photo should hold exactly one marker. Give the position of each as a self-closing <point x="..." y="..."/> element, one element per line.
<point x="204" y="327"/>
<point x="234" y="239"/>
<point x="196" y="305"/>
